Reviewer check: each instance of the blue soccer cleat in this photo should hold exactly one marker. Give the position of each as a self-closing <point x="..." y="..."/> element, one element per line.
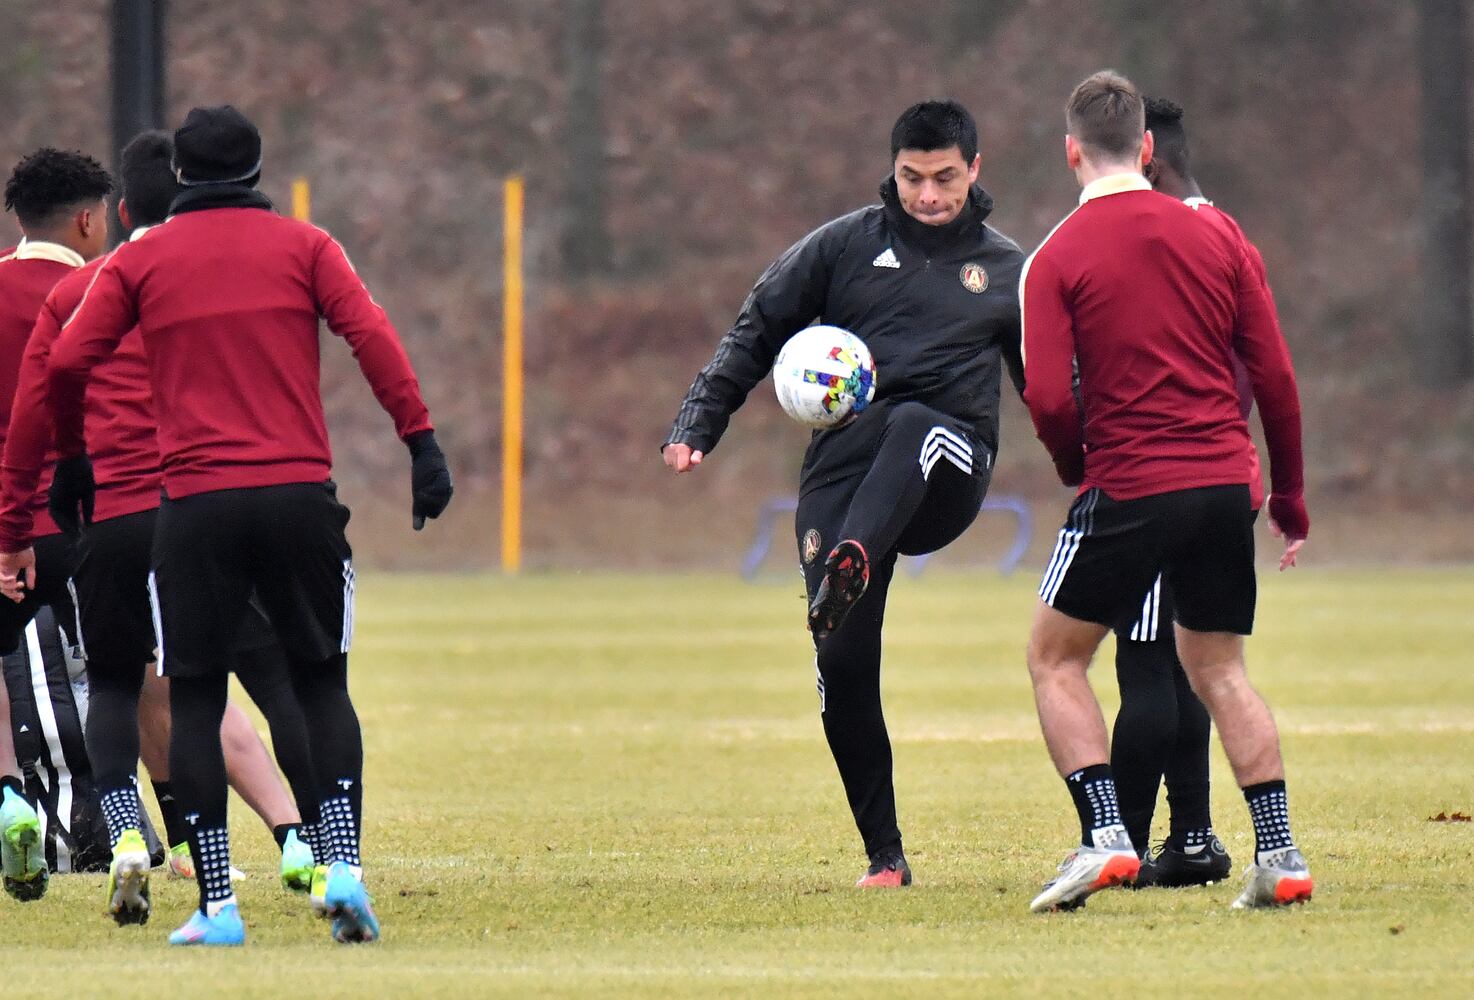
<point x="223" y="929"/>
<point x="22" y="852"/>
<point x="350" y="906"/>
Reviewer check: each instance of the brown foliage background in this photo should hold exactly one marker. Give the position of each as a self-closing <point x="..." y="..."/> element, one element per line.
<point x="732" y="129"/>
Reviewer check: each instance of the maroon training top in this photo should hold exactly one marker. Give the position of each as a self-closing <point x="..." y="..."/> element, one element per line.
<point x="27" y="275"/>
<point x="1153" y="304"/>
<point x="227" y="302"/>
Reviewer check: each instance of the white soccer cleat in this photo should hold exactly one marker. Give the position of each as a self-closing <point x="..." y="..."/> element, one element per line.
<point x="1112" y="861"/>
<point x="1283" y="880"/>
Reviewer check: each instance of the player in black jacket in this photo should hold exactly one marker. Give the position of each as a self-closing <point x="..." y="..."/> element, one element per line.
<point x="932" y="290"/>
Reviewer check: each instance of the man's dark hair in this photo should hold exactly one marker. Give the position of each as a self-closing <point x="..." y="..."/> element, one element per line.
<point x="933" y="125"/>
<point x="51" y="183"/>
<point x="149" y="185"/>
<point x="1164" y="121"/>
<point x="1105" y="115"/>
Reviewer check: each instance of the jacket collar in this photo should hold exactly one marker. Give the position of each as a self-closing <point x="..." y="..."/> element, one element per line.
<point x="1114" y="184"/>
<point x="46" y="250"/>
<point x="978" y="207"/>
<point x="197" y="199"/>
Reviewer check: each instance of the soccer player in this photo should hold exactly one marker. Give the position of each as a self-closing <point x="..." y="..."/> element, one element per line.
<point x="110" y="582"/>
<point x="1162" y="729"/>
<point x="930" y="288"/>
<point x="59" y="200"/>
<point x="1153" y="304"/>
<point x="227" y="296"/>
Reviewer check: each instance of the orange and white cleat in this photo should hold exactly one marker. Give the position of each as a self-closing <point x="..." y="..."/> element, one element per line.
<point x="1089" y="870"/>
<point x="1282" y="880"/>
<point x="887" y="871"/>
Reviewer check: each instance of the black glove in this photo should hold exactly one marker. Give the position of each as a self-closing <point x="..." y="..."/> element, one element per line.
<point x="71" y="495"/>
<point x="429" y="477"/>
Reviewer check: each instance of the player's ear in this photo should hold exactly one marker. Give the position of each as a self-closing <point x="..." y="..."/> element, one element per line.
<point x="1072" y="152"/>
<point x="974" y="167"/>
<point x="1148" y="146"/>
<point x="123" y="214"/>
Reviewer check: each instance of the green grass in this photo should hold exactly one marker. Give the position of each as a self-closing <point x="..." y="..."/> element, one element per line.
<point x="618" y="786"/>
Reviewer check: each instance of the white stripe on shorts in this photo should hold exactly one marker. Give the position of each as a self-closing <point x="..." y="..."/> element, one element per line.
<point x="1145" y="630"/>
<point x="348" y="579"/>
<point x="941" y="443"/>
<point x="153" y="603"/>
<point x="1081" y="523"/>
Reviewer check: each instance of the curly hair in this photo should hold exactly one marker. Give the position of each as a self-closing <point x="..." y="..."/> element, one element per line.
<point x="48" y="182"/>
<point x="1164" y="119"/>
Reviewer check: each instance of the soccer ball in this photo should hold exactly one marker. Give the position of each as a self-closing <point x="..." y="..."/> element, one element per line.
<point x="824" y="377"/>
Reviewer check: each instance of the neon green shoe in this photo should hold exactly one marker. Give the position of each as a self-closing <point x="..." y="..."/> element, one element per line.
<point x="127" y="880"/>
<point x="22" y="852"/>
<point x="296" y="864"/>
<point x="181" y="862"/>
<point x="318" y="896"/>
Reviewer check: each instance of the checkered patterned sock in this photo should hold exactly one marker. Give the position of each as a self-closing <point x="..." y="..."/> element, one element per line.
<point x="120" y="809"/>
<point x="1269" y="807"/>
<point x="340" y="831"/>
<point x="308" y="835"/>
<point x="211" y="849"/>
<point x="1196" y="838"/>
<point x="1094" y="792"/>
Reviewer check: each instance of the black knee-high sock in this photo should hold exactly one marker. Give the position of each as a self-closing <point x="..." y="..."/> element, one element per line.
<point x="267" y="678"/>
<point x="849" y="697"/>
<point x="197" y="772"/>
<point x="112" y="739"/>
<point x="894" y="488"/>
<point x="174" y="826"/>
<point x="1187" y="769"/>
<point x="1145" y="730"/>
<point x="337" y="755"/>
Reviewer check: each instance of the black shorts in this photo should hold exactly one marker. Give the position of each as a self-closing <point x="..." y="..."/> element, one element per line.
<point x="55" y="559"/>
<point x="286" y="543"/>
<point x="1201" y="542"/>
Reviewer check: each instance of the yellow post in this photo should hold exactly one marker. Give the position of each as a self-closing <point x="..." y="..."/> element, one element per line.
<point x="302" y="200"/>
<point x="512" y="377"/>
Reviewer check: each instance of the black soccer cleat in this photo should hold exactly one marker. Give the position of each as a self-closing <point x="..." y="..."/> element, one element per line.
<point x="846" y="575"/>
<point x="1174" y="866"/>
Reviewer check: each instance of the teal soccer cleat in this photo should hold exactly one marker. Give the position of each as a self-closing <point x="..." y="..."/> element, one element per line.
<point x="22" y="853"/>
<point x="223" y="929"/>
<point x="350" y="906"/>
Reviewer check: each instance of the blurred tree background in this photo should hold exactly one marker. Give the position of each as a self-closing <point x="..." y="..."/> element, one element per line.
<point x="672" y="149"/>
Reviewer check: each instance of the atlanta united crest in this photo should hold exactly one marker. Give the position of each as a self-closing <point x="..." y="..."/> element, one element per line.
<point x="811" y="545"/>
<point x="974" y="278"/>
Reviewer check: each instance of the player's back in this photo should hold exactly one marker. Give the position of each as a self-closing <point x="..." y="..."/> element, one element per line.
<point x="227" y="307"/>
<point x="1152" y="293"/>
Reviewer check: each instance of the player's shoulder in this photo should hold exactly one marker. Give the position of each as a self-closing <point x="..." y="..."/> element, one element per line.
<point x="1000" y="244"/>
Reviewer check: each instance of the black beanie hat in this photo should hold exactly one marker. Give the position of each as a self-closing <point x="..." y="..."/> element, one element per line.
<point x="217" y="146"/>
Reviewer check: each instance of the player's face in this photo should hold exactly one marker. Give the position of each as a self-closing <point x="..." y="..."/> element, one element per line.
<point x="933" y="184"/>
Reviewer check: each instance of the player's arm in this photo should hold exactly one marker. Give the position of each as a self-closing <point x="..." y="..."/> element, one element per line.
<point x="24" y="457"/>
<point x="1260" y="345"/>
<point x="787" y="298"/>
<point x="89" y="336"/>
<point x="351" y="313"/>
<point x="1048" y="339"/>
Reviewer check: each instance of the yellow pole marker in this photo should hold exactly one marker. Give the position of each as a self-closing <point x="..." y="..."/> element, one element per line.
<point x="302" y="200"/>
<point x="512" y="377"/>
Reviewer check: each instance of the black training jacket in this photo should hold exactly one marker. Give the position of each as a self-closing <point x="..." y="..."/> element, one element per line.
<point x="937" y="306"/>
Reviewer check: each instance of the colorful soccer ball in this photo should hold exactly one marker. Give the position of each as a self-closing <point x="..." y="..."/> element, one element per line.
<point x="824" y="376"/>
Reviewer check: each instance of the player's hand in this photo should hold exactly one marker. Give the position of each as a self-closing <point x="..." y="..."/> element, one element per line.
<point x="1071" y="471"/>
<point x="72" y="493"/>
<point x="1289" y="520"/>
<point x="429" y="478"/>
<point x="680" y="457"/>
<point x="17" y="573"/>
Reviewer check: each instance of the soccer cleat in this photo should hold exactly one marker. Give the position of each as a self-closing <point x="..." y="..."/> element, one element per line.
<point x="1283" y="880"/>
<point x="846" y="575"/>
<point x="887" y="871"/>
<point x="181" y="864"/>
<point x="296" y="864"/>
<point x="350" y="906"/>
<point x="1088" y="870"/>
<point x="127" y="880"/>
<point x="1174" y="867"/>
<point x="22" y="852"/>
<point x="317" y="895"/>
<point x="223" y="929"/>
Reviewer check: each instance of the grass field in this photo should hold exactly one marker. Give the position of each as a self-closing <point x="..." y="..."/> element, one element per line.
<point x="618" y="786"/>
